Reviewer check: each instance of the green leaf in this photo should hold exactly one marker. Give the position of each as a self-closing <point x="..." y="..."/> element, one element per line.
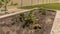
<point x="22" y="17"/>
<point x="36" y="25"/>
<point x="6" y="1"/>
<point x="43" y="11"/>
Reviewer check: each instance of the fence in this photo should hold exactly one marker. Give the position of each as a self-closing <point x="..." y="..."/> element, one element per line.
<point x="30" y="2"/>
<point x="34" y="2"/>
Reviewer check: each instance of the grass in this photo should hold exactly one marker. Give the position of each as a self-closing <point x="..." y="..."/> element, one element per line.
<point x="55" y="6"/>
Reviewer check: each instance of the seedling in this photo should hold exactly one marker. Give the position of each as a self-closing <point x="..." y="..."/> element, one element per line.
<point x="36" y="26"/>
<point x="43" y="11"/>
<point x="6" y="2"/>
<point x="30" y="21"/>
<point x="22" y="17"/>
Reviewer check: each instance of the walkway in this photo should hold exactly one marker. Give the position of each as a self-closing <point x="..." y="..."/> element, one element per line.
<point x="56" y="24"/>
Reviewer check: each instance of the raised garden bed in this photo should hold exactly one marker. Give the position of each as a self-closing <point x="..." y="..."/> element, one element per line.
<point x="37" y="21"/>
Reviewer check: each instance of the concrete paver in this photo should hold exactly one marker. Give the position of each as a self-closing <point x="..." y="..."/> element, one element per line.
<point x="56" y="24"/>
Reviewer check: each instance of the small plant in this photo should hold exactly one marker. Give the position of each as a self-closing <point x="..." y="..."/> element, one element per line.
<point x="43" y="11"/>
<point x="6" y="2"/>
<point x="30" y="21"/>
<point x="30" y="16"/>
<point x="36" y="26"/>
<point x="22" y="17"/>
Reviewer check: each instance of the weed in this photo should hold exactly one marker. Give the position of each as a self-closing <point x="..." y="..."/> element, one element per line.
<point x="43" y="11"/>
<point x="22" y="17"/>
<point x="36" y="26"/>
<point x="5" y="3"/>
<point x="30" y="21"/>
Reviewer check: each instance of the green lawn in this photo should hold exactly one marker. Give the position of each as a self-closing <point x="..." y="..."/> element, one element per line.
<point x="54" y="6"/>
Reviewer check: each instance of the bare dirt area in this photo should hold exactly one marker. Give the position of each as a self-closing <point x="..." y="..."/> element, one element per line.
<point x="13" y="24"/>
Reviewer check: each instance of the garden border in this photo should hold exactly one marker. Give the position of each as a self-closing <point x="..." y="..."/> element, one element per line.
<point x="11" y="14"/>
<point x="15" y="13"/>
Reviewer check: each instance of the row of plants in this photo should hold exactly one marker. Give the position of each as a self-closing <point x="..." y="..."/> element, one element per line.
<point x="30" y="21"/>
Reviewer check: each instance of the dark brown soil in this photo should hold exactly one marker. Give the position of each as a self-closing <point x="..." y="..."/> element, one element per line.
<point x="46" y="22"/>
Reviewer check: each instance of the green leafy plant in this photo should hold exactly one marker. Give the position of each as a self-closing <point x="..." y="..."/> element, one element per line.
<point x="6" y="2"/>
<point x="43" y="11"/>
<point x="30" y="21"/>
<point x="31" y="17"/>
<point x="22" y="17"/>
<point x="36" y="26"/>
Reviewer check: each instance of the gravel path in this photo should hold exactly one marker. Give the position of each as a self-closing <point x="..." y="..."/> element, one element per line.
<point x="56" y="24"/>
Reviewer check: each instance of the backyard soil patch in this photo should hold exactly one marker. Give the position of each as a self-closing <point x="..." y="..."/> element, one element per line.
<point x="13" y="24"/>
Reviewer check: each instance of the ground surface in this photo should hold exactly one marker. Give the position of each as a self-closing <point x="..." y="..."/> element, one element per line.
<point x="56" y="24"/>
<point x="45" y="20"/>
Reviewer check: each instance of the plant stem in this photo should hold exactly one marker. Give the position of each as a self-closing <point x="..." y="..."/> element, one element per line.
<point x="5" y="7"/>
